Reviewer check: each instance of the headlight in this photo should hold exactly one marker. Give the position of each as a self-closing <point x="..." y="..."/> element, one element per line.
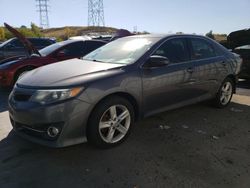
<point x="51" y="96"/>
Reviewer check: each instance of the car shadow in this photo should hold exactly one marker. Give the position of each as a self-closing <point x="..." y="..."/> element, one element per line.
<point x="197" y="146"/>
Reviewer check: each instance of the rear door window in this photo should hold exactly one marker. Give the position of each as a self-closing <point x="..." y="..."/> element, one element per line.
<point x="201" y="49"/>
<point x="175" y="50"/>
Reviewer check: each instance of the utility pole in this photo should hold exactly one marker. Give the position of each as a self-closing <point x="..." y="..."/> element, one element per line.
<point x="95" y="13"/>
<point x="42" y="6"/>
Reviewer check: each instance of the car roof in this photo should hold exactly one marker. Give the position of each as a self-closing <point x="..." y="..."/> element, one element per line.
<point x="38" y="38"/>
<point x="66" y="42"/>
<point x="161" y="36"/>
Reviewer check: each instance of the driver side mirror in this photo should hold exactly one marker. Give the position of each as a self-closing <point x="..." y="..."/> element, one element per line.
<point x="156" y="61"/>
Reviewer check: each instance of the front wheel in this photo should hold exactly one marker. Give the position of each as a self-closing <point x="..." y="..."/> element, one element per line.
<point x="111" y="122"/>
<point x="225" y="93"/>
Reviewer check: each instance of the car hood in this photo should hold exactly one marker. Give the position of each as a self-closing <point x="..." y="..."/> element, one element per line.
<point x="66" y="73"/>
<point x="27" y="44"/>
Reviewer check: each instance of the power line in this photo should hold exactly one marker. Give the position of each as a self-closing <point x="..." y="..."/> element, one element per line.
<point x="43" y="13"/>
<point x="95" y="13"/>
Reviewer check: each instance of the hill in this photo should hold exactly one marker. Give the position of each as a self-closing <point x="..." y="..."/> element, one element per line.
<point x="220" y="37"/>
<point x="63" y="33"/>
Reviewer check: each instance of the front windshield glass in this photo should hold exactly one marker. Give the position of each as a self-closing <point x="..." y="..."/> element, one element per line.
<point x="51" y="48"/>
<point x="122" y="51"/>
<point x="4" y="43"/>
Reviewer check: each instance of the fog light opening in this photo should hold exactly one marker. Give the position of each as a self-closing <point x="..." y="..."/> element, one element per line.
<point x="52" y="132"/>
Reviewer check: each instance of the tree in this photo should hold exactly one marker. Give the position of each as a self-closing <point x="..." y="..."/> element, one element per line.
<point x="36" y="30"/>
<point x="2" y="34"/>
<point x="210" y="34"/>
<point x="68" y="32"/>
<point x="26" y="32"/>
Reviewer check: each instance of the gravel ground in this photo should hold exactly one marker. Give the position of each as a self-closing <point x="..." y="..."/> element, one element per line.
<point x="192" y="147"/>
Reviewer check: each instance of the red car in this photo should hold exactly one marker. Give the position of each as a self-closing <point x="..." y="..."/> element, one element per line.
<point x="12" y="68"/>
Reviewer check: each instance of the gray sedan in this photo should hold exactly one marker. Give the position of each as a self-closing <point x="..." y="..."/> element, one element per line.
<point x="99" y="97"/>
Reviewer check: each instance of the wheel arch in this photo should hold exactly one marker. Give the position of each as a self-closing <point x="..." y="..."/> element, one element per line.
<point x="234" y="79"/>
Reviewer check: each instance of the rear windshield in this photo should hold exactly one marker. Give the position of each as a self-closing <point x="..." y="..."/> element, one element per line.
<point x="40" y="42"/>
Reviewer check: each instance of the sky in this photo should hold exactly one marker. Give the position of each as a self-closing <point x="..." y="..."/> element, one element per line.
<point x="155" y="16"/>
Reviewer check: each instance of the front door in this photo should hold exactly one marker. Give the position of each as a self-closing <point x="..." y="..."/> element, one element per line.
<point x="172" y="85"/>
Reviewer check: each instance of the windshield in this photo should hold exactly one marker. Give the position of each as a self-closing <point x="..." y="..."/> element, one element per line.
<point x="4" y="43"/>
<point x="51" y="48"/>
<point x="122" y="51"/>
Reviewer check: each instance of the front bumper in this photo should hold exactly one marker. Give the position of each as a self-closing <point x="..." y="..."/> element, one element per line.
<point x="31" y="120"/>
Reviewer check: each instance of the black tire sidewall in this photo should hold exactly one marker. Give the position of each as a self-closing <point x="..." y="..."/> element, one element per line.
<point x="93" y="134"/>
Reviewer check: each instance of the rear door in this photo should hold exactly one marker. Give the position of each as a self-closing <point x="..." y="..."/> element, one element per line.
<point x="209" y="66"/>
<point x="169" y="86"/>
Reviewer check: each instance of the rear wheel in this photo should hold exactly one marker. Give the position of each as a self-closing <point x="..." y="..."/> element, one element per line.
<point x="110" y="123"/>
<point x="225" y="93"/>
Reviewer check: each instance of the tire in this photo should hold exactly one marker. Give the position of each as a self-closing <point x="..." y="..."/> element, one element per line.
<point x="225" y="93"/>
<point x="110" y="122"/>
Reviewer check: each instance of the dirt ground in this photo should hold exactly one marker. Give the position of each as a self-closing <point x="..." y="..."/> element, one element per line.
<point x="196" y="146"/>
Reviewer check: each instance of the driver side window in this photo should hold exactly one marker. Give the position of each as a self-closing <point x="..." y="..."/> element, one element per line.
<point x="175" y="50"/>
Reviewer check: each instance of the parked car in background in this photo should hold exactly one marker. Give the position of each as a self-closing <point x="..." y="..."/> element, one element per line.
<point x="21" y="46"/>
<point x="121" y="33"/>
<point x="12" y="68"/>
<point x="98" y="98"/>
<point x="244" y="52"/>
<point x="238" y="38"/>
<point x="14" y="47"/>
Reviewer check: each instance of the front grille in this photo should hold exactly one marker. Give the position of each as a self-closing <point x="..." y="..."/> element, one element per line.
<point x="29" y="130"/>
<point x="21" y="97"/>
<point x="38" y="131"/>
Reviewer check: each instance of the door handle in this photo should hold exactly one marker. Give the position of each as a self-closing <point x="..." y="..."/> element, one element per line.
<point x="190" y="70"/>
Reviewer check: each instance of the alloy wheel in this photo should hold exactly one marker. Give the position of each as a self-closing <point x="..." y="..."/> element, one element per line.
<point x="114" y="123"/>
<point x="226" y="93"/>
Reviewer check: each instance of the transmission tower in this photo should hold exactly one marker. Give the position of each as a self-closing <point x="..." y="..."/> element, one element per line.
<point x="43" y="12"/>
<point x="95" y="13"/>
